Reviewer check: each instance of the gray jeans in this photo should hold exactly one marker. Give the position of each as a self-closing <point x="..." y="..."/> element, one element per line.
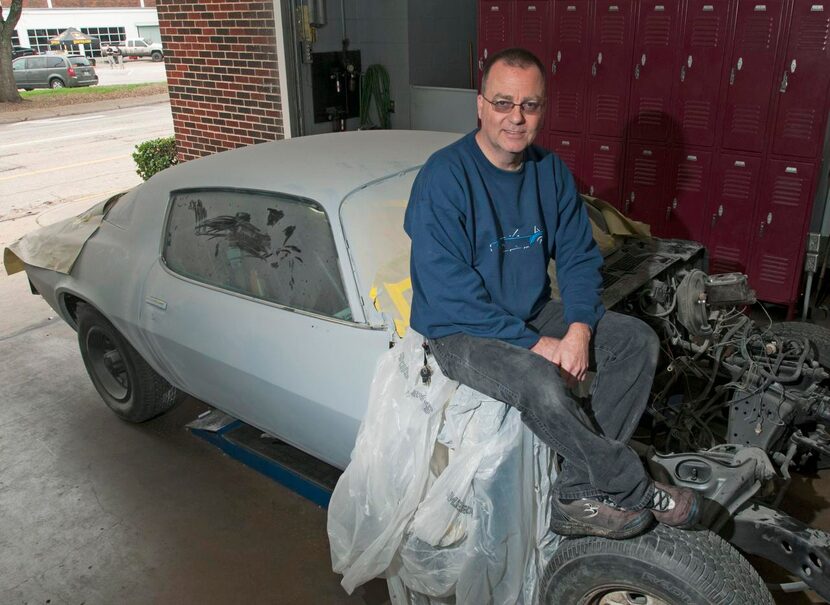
<point x="592" y="442"/>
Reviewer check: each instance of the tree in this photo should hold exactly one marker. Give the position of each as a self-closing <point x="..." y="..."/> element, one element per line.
<point x="8" y="21"/>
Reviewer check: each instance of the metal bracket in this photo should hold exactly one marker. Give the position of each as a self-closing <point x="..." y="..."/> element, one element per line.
<point x="787" y="542"/>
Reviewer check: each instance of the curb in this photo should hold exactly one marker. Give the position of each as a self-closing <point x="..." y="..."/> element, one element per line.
<point x="24" y="115"/>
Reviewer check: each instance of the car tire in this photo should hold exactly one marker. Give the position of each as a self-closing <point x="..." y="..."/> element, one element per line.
<point x="157" y="56"/>
<point x="663" y="566"/>
<point x="819" y="336"/>
<point x="126" y="383"/>
<point x="56" y="83"/>
<point x="28" y="89"/>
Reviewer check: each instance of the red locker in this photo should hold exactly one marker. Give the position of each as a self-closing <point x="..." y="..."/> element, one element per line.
<point x="610" y="68"/>
<point x="531" y="22"/>
<point x="603" y="170"/>
<point x="647" y="168"/>
<point x="730" y="211"/>
<point x="750" y="74"/>
<point x="569" y="148"/>
<point x="691" y="177"/>
<point x="569" y="65"/>
<point x="655" y="50"/>
<point x="801" y="86"/>
<point x="780" y="226"/>
<point x="495" y="29"/>
<point x="698" y="77"/>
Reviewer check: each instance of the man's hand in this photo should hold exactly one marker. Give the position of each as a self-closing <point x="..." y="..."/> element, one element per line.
<point x="570" y="353"/>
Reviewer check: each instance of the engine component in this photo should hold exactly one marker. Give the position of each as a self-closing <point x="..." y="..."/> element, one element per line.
<point x="728" y="290"/>
<point x="691" y="304"/>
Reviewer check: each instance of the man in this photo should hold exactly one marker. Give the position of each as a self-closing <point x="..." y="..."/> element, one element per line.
<point x="485" y="216"/>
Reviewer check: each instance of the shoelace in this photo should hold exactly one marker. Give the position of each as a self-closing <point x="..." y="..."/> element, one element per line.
<point x="661" y="500"/>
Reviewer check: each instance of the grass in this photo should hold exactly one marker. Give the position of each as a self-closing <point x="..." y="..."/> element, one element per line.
<point x="115" y="89"/>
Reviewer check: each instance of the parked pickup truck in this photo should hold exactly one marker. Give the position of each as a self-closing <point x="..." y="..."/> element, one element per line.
<point x="139" y="47"/>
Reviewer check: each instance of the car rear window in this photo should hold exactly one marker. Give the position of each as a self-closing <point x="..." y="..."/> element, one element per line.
<point x="79" y="61"/>
<point x="268" y="246"/>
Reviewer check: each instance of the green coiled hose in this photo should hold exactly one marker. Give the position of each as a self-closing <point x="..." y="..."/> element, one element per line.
<point x="374" y="91"/>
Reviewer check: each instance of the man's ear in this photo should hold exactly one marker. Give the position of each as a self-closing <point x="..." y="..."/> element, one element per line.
<point x="480" y="106"/>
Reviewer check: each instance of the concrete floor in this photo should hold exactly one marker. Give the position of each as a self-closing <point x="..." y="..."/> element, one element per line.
<point x="97" y="511"/>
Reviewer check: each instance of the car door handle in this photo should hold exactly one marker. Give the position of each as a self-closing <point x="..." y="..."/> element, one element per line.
<point x="156" y="302"/>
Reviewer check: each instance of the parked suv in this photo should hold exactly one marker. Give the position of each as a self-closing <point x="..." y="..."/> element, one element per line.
<point x="22" y="51"/>
<point x="53" y="71"/>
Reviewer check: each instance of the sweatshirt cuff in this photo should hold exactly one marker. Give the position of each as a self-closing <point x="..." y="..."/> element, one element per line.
<point x="527" y="340"/>
<point x="584" y="314"/>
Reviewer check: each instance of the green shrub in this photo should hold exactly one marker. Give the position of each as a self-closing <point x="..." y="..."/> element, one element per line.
<point x="154" y="156"/>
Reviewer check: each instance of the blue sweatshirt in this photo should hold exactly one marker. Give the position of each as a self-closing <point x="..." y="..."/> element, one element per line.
<point x="482" y="238"/>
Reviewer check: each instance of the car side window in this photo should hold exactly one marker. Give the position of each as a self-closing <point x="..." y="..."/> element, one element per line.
<point x="140" y="44"/>
<point x="269" y="246"/>
<point x="19" y="65"/>
<point x="35" y="62"/>
<point x="53" y="62"/>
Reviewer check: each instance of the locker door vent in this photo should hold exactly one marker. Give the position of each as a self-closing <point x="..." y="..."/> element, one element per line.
<point x="657" y="30"/>
<point x="532" y="29"/>
<point x="787" y="191"/>
<point x="774" y="269"/>
<point x="495" y="28"/>
<point x="758" y="33"/>
<point x="706" y="31"/>
<point x="571" y="29"/>
<point x="737" y="184"/>
<point x="746" y="120"/>
<point x="612" y="30"/>
<point x="608" y="108"/>
<point x="690" y="177"/>
<point x="604" y="167"/>
<point x="651" y="111"/>
<point x="566" y="105"/>
<point x="726" y="260"/>
<point x="645" y="172"/>
<point x="799" y="124"/>
<point x="696" y="115"/>
<point x="813" y="35"/>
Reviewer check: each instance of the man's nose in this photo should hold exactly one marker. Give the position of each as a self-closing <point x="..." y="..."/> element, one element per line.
<point x="516" y="115"/>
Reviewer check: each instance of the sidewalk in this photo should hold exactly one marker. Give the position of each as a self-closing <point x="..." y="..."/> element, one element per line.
<point x="12" y="117"/>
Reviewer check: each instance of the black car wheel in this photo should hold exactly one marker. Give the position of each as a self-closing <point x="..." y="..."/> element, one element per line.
<point x="56" y="83"/>
<point x="126" y="383"/>
<point x="157" y="56"/>
<point x="664" y="566"/>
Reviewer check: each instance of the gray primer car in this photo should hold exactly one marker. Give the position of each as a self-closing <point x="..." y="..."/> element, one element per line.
<point x="295" y="369"/>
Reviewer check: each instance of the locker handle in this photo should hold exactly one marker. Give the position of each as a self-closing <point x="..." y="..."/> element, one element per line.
<point x="668" y="212"/>
<point x="732" y="77"/>
<point x="637" y="71"/>
<point x="594" y="70"/>
<point x="784" y="82"/>
<point x="480" y="65"/>
<point x="761" y="230"/>
<point x="628" y="201"/>
<point x="714" y="218"/>
<point x="553" y="66"/>
<point x="682" y="73"/>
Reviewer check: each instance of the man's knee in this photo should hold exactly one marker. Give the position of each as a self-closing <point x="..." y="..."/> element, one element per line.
<point x="630" y="337"/>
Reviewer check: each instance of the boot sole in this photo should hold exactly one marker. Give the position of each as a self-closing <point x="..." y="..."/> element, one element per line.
<point x="574" y="529"/>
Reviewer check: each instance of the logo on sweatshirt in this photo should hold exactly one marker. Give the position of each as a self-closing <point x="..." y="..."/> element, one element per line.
<point x="511" y="243"/>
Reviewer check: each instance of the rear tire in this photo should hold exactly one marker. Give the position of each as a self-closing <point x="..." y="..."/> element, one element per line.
<point x="157" y="56"/>
<point x="126" y="383"/>
<point x="56" y="83"/>
<point x="663" y="566"/>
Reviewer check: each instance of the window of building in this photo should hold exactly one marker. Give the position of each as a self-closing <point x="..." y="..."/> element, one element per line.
<point x="39" y="38"/>
<point x="269" y="246"/>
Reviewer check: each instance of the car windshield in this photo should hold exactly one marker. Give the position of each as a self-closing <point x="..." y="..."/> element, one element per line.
<point x="79" y="61"/>
<point x="372" y="220"/>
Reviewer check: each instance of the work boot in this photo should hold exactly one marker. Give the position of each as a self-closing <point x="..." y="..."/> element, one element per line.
<point x="597" y="517"/>
<point x="675" y="506"/>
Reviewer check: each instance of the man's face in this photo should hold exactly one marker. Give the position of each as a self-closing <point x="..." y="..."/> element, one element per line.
<point x="503" y="137"/>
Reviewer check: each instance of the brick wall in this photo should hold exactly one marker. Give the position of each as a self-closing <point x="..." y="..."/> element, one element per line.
<point x="86" y="3"/>
<point x="221" y="62"/>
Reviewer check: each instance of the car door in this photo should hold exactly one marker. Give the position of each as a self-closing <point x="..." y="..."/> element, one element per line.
<point x="21" y="74"/>
<point x="247" y="311"/>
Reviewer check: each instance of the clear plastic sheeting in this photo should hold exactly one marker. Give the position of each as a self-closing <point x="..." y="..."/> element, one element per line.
<point x="447" y="493"/>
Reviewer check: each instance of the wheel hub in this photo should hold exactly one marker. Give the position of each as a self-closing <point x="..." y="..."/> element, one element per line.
<point x="627" y="597"/>
<point x="108" y="364"/>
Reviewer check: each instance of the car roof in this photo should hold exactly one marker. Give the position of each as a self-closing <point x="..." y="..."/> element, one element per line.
<point x="324" y="168"/>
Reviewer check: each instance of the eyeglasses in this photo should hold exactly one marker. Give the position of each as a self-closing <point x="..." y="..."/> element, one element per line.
<point x="528" y="108"/>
